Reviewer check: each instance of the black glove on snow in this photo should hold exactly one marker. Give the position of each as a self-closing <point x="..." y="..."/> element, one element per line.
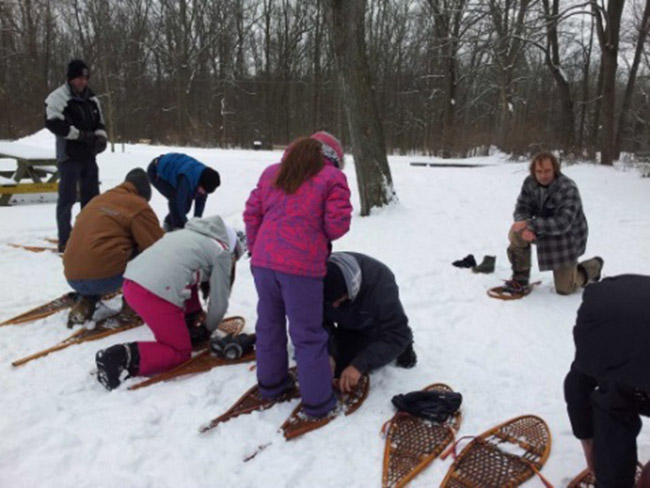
<point x="431" y="405"/>
<point x="408" y="358"/>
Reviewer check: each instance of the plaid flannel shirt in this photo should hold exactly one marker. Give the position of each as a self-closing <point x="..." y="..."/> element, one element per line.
<point x="556" y="217"/>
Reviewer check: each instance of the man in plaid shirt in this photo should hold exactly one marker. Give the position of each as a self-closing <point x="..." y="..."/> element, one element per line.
<point x="549" y="214"/>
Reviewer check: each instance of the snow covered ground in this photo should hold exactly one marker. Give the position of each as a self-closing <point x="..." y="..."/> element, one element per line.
<point x="60" y="428"/>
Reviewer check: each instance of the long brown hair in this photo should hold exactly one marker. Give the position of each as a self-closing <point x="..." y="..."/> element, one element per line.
<point x="542" y="157"/>
<point x="303" y="159"/>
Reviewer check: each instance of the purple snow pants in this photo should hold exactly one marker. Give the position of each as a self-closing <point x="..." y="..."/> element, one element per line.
<point x="300" y="299"/>
<point x="167" y="322"/>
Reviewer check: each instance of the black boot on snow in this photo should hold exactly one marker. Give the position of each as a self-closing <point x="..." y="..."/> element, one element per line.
<point x="487" y="266"/>
<point x="112" y="362"/>
<point x="467" y="262"/>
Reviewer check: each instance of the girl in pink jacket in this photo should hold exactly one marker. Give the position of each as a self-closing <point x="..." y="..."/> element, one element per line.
<point x="299" y="206"/>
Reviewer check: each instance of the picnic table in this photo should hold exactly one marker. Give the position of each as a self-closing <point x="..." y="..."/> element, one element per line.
<point x="35" y="170"/>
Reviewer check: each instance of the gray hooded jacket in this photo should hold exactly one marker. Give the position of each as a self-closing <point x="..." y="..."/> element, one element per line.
<point x="199" y="252"/>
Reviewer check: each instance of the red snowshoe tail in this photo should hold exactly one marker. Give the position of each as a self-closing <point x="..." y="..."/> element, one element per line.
<point x="412" y="443"/>
<point x="299" y="423"/>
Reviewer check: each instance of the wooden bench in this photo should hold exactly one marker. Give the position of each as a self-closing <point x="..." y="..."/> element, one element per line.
<point x="35" y="171"/>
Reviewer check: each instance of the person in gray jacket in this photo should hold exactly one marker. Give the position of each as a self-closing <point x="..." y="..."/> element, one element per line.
<point x="364" y="317"/>
<point x="161" y="285"/>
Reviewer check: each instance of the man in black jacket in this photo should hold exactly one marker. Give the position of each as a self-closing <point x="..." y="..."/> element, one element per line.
<point x="74" y="116"/>
<point x="364" y="317"/>
<point x="608" y="385"/>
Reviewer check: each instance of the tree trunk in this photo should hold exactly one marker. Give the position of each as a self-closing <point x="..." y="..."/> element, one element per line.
<point x="375" y="182"/>
<point x="566" y="130"/>
<point x="644" y="28"/>
<point x="608" y="35"/>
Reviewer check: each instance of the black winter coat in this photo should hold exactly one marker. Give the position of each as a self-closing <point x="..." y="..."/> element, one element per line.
<point x="66" y="115"/>
<point x="376" y="313"/>
<point x="608" y="385"/>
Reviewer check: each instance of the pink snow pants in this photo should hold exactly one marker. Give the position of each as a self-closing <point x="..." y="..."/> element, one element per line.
<point x="167" y="322"/>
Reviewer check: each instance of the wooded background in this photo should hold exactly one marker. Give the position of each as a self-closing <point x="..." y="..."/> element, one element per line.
<point x="450" y="77"/>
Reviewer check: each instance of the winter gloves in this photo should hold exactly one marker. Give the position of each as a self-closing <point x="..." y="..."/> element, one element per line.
<point x="232" y="347"/>
<point x="436" y="406"/>
<point x="96" y="141"/>
<point x="408" y="358"/>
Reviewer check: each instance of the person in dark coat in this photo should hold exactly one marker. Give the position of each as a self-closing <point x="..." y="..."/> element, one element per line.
<point x="364" y="317"/>
<point x="73" y="114"/>
<point x="608" y="386"/>
<point x="549" y="214"/>
<point x="181" y="179"/>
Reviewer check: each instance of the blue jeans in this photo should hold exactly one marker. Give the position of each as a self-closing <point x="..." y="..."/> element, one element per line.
<point x="96" y="287"/>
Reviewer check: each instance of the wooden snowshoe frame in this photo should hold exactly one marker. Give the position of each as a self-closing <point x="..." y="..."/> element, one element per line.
<point x="298" y="423"/>
<point x="61" y="303"/>
<point x="501" y="293"/>
<point x="103" y="328"/>
<point x="249" y="402"/>
<point x="203" y="361"/>
<point x="483" y="463"/>
<point x="36" y="249"/>
<point x="412" y="443"/>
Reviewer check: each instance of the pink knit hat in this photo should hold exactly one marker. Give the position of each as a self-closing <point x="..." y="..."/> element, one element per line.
<point x="331" y="147"/>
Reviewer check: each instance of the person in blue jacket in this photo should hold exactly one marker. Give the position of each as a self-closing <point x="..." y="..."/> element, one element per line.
<point x="182" y="180"/>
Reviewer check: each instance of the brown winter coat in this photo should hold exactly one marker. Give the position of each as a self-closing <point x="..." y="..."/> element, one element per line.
<point x="108" y="232"/>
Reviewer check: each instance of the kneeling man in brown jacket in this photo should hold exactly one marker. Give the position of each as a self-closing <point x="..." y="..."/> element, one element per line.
<point x="109" y="231"/>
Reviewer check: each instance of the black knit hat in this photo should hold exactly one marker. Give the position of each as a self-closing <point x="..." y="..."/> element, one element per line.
<point x="209" y="180"/>
<point x="334" y="285"/>
<point x="77" y="68"/>
<point x="139" y="178"/>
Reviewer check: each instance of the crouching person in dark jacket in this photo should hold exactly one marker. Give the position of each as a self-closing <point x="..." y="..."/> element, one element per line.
<point x="608" y="386"/>
<point x="364" y="317"/>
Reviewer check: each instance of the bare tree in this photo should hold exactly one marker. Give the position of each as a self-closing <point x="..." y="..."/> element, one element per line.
<point x="375" y="182"/>
<point x="509" y="22"/>
<point x="608" y="24"/>
<point x="566" y="129"/>
<point x="642" y="29"/>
